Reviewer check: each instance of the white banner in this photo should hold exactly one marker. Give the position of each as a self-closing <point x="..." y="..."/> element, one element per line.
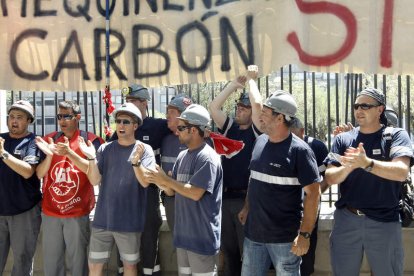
<point x="49" y="45"/>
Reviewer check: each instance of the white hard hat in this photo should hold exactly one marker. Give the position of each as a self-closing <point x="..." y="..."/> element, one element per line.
<point x="196" y="115"/>
<point x="282" y="102"/>
<point x="131" y="109"/>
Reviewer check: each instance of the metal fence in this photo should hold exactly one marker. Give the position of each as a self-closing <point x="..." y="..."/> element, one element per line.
<point x="324" y="99"/>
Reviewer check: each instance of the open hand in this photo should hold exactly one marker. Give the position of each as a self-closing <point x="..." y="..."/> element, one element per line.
<point x="47" y="148"/>
<point x="87" y="148"/>
<point x="137" y="153"/>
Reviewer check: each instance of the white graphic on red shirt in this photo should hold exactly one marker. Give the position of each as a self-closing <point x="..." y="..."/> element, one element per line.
<point x="65" y="182"/>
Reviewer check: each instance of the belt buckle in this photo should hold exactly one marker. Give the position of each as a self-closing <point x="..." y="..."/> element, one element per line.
<point x="359" y="213"/>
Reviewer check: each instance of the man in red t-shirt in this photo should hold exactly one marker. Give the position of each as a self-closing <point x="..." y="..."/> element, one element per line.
<point x="68" y="196"/>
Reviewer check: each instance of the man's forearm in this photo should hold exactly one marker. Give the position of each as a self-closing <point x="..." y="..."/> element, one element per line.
<point x="220" y="99"/>
<point x="310" y="212"/>
<point x="184" y="189"/>
<point x="336" y="175"/>
<point x="78" y="161"/>
<point x="93" y="173"/>
<point x="395" y="170"/>
<point x="19" y="166"/>
<point x="43" y="167"/>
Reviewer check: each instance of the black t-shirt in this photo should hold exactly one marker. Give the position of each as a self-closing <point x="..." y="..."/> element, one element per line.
<point x="17" y="194"/>
<point x="375" y="196"/>
<point x="236" y="169"/>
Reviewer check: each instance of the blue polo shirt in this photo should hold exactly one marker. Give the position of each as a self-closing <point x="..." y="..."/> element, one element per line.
<point x="236" y="169"/>
<point x="198" y="223"/>
<point x="279" y="171"/>
<point x="375" y="196"/>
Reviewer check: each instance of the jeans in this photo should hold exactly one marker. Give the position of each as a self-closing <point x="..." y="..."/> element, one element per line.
<point x="257" y="257"/>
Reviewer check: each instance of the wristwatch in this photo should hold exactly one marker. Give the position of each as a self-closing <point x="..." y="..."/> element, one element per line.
<point x="137" y="164"/>
<point x="370" y="166"/>
<point x="306" y="235"/>
<point x="5" y="155"/>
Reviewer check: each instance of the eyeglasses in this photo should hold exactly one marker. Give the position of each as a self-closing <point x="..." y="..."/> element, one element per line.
<point x="182" y="128"/>
<point x="123" y="121"/>
<point x="365" y="106"/>
<point x="66" y="117"/>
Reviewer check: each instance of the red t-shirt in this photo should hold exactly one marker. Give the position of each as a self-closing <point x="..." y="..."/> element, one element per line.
<point x="67" y="191"/>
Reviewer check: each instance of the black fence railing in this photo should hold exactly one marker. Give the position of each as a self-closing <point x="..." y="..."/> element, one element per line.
<point x="324" y="99"/>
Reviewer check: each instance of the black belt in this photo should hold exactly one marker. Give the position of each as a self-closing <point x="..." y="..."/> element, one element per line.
<point x="231" y="190"/>
<point x="355" y="211"/>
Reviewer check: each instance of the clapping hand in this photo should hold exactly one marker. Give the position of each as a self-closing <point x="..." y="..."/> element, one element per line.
<point x="63" y="148"/>
<point x="157" y="177"/>
<point x="47" y="148"/>
<point x="137" y="154"/>
<point x="87" y="148"/>
<point x="355" y="157"/>
<point x="342" y="128"/>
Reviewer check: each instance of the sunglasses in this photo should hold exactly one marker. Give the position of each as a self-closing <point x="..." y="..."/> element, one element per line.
<point x="182" y="128"/>
<point x="123" y="121"/>
<point x="66" y="117"/>
<point x="365" y="106"/>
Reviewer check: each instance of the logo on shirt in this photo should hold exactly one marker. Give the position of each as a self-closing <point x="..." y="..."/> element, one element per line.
<point x="65" y="182"/>
<point x="275" y="165"/>
<point x="376" y="151"/>
<point x="145" y="138"/>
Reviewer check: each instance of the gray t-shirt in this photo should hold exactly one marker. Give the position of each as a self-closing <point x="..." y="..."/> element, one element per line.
<point x="198" y="223"/>
<point x="122" y="200"/>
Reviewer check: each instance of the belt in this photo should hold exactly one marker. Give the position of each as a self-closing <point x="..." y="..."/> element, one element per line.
<point x="355" y="211"/>
<point x="231" y="190"/>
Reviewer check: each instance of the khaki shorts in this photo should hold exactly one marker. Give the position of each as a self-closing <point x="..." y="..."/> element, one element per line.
<point x="190" y="263"/>
<point x="102" y="241"/>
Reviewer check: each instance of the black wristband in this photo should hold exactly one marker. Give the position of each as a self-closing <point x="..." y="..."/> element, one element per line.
<point x="137" y="164"/>
<point x="90" y="159"/>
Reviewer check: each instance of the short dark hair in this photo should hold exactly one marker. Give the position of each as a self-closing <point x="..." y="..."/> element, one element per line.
<point x="70" y="105"/>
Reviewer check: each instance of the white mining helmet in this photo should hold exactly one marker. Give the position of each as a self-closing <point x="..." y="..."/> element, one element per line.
<point x="130" y="109"/>
<point x="282" y="102"/>
<point x="196" y="115"/>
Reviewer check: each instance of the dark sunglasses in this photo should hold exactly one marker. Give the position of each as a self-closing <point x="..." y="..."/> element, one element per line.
<point x="182" y="128"/>
<point x="365" y="106"/>
<point x="66" y="117"/>
<point x="123" y="121"/>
